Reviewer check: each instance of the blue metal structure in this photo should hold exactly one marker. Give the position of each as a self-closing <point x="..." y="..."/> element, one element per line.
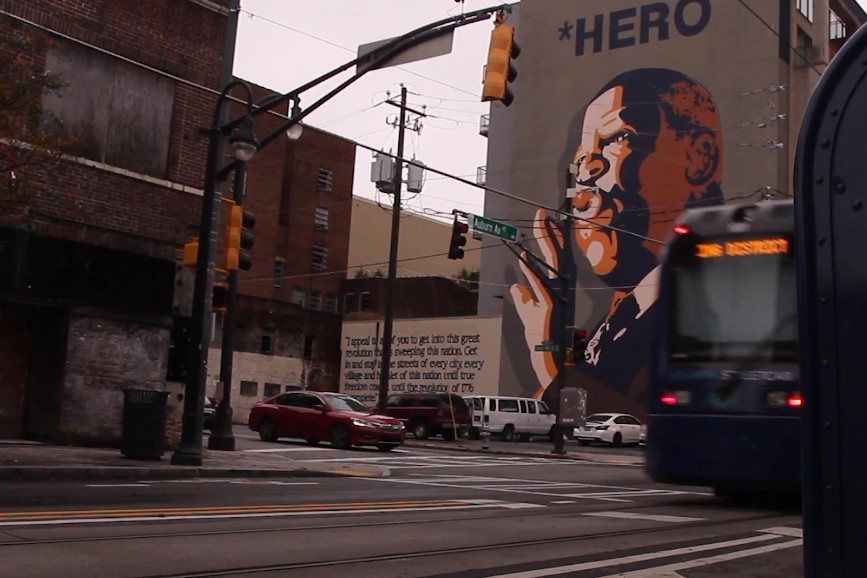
<point x="831" y="217"/>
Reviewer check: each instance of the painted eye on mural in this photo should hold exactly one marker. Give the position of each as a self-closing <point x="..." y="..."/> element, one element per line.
<point x="620" y="138"/>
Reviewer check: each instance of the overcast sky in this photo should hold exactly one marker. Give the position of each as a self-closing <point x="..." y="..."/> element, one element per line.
<point x="283" y="44"/>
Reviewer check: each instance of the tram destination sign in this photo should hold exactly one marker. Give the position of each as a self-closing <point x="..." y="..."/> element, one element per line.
<point x="493" y="228"/>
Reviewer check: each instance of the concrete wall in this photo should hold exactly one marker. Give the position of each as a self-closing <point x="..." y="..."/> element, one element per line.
<point x="104" y="356"/>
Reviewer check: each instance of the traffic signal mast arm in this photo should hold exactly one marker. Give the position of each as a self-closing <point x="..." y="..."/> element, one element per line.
<point x="365" y="63"/>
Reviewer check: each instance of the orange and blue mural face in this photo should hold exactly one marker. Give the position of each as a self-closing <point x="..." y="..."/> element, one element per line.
<point x="650" y="144"/>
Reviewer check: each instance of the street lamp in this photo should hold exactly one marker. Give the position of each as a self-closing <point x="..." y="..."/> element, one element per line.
<point x="245" y="145"/>
<point x="294" y="131"/>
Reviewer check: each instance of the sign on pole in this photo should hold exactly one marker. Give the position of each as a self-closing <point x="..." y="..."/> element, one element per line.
<point x="493" y="228"/>
<point x="438" y="46"/>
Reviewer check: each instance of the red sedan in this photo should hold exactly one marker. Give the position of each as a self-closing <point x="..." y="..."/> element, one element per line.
<point x="317" y="417"/>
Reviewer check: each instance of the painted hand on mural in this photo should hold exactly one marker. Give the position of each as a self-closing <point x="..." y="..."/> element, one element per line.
<point x="536" y="302"/>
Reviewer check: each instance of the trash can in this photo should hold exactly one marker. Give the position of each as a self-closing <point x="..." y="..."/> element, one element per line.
<point x="144" y="424"/>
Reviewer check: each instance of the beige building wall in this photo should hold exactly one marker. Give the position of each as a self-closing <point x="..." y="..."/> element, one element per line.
<point x="420" y="236"/>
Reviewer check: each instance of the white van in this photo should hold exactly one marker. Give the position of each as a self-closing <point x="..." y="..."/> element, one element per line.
<point x="510" y="417"/>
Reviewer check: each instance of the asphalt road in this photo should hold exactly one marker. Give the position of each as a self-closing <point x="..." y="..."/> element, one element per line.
<point x="438" y="514"/>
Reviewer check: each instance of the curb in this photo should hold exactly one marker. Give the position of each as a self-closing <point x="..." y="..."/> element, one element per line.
<point x="87" y="473"/>
<point x="578" y="457"/>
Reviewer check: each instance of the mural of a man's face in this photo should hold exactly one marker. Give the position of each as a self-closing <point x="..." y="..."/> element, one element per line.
<point x="646" y="146"/>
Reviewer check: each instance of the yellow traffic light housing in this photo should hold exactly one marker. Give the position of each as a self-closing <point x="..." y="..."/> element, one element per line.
<point x="191" y="253"/>
<point x="239" y="238"/>
<point x="500" y="71"/>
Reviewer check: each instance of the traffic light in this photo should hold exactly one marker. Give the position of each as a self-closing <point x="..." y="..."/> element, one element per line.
<point x="239" y="238"/>
<point x="579" y="343"/>
<point x="191" y="253"/>
<point x="458" y="239"/>
<point x="219" y="301"/>
<point x="500" y="71"/>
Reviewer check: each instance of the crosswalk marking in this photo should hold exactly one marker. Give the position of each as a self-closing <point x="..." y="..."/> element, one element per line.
<point x="669" y="570"/>
<point x="642" y="516"/>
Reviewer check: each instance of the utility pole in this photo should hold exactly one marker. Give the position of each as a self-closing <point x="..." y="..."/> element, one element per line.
<point x="388" y="322"/>
<point x="566" y="273"/>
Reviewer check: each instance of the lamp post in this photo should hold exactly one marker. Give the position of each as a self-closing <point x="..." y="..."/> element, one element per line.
<point x="245" y="145"/>
<point x="222" y="438"/>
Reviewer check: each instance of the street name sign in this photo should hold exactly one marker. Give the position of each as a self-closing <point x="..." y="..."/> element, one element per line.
<point x="547" y="346"/>
<point x="494" y="228"/>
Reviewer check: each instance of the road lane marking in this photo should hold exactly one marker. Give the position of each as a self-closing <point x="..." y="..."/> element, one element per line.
<point x="597" y="564"/>
<point x="277" y="450"/>
<point x="636" y="516"/>
<point x="670" y="570"/>
<point x="784" y="531"/>
<point x="52" y="518"/>
<point x="564" y="502"/>
<point x="141" y="485"/>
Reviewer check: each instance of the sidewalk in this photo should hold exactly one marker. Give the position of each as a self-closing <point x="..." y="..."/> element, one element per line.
<point x="25" y="460"/>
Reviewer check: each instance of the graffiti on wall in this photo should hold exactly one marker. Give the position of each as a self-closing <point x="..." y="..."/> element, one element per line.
<point x="650" y="145"/>
<point x="456" y="355"/>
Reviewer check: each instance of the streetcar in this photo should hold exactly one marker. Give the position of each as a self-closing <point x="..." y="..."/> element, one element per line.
<point x="724" y="402"/>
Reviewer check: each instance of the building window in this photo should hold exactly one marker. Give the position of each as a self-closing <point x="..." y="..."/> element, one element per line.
<point x="804" y="48"/>
<point x="320" y="257"/>
<point x="299" y="297"/>
<point x="249" y="388"/>
<point x="365" y="301"/>
<point x="279" y="272"/>
<point x="272" y="390"/>
<point x="309" y="342"/>
<point x="265" y="347"/>
<point x="324" y="180"/>
<point x="320" y="219"/>
<point x="316" y="300"/>
<point x="838" y="27"/>
<point x="331" y="303"/>
<point x="805" y="7"/>
<point x="293" y="388"/>
<point x="350" y="304"/>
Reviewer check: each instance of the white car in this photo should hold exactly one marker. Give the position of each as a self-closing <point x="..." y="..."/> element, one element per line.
<point x="612" y="428"/>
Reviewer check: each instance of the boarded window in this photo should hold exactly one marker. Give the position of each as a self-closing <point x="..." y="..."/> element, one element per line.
<point x="324" y="180"/>
<point x="249" y="388"/>
<point x="320" y="257"/>
<point x="121" y="113"/>
<point x="320" y="219"/>
<point x="272" y="390"/>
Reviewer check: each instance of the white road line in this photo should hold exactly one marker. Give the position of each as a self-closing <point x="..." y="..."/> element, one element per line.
<point x="670" y="570"/>
<point x="142" y="485"/>
<point x="564" y="502"/>
<point x="635" y="516"/>
<point x="493" y="489"/>
<point x="784" y="531"/>
<point x="279" y="450"/>
<point x="596" y="564"/>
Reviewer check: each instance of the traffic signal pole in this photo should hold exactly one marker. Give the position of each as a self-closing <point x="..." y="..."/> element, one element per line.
<point x="222" y="437"/>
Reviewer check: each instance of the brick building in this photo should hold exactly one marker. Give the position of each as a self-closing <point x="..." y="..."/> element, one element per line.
<point x="415" y="297"/>
<point x="97" y="301"/>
